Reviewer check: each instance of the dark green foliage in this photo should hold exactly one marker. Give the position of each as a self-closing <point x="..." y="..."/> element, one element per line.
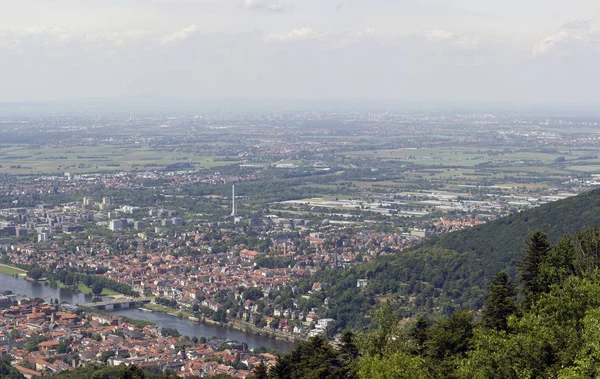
<point x="348" y="354"/>
<point x="64" y="347"/>
<point x="119" y="372"/>
<point x="419" y="333"/>
<point x="529" y="266"/>
<point x="107" y="354"/>
<point x="450" y="336"/>
<point x="312" y="359"/>
<point x="586" y="247"/>
<point x="171" y="332"/>
<point x="500" y="303"/>
<point x="261" y="371"/>
<point x="348" y="348"/>
<point x="556" y="336"/>
<point x="35" y="273"/>
<point x="453" y="271"/>
<point x="558" y="265"/>
<point x="97" y="288"/>
<point x="253" y="294"/>
<point x="7" y="371"/>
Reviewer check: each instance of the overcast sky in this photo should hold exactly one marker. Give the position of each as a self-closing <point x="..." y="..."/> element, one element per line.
<point x="535" y="51"/>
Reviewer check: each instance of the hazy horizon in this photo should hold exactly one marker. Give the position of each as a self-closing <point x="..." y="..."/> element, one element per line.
<point x="156" y="105"/>
<point x="342" y="51"/>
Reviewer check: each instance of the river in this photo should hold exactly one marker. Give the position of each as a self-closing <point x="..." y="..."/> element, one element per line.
<point x="189" y="328"/>
<point x="34" y="289"/>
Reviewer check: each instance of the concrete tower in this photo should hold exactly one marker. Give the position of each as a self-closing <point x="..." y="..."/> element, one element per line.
<point x="233" y="208"/>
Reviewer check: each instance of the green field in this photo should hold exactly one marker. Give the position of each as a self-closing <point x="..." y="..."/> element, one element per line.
<point x="21" y="159"/>
<point x="105" y="292"/>
<point x="10" y="270"/>
<point x="88" y="290"/>
<point x="168" y="310"/>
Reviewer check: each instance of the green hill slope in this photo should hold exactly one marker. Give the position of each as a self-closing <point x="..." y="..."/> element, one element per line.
<point x="453" y="271"/>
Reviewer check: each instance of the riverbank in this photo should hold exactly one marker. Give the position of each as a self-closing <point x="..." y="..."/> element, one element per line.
<point x="33" y="289"/>
<point x="238" y="325"/>
<point x="11" y="270"/>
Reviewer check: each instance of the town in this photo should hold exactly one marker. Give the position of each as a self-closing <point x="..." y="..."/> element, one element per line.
<point x="42" y="337"/>
<point x="234" y="220"/>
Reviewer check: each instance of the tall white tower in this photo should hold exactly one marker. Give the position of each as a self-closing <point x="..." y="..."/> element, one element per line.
<point x="233" y="208"/>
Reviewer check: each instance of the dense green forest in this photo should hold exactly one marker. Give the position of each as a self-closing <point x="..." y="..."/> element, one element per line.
<point x="552" y="332"/>
<point x="453" y="271"/>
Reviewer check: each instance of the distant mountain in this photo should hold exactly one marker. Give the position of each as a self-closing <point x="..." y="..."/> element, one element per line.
<point x="452" y="271"/>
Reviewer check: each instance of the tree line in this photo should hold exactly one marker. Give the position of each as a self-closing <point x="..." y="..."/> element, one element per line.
<point x="71" y="279"/>
<point x="453" y="271"/>
<point x="544" y="327"/>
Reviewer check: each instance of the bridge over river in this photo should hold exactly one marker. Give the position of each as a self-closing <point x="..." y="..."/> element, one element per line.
<point x="119" y="303"/>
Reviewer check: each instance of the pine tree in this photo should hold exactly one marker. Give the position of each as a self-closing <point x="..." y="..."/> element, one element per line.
<point x="419" y="333"/>
<point x="500" y="303"/>
<point x="348" y="348"/>
<point x="261" y="371"/>
<point x="529" y="266"/>
<point x="347" y="358"/>
<point x="450" y="336"/>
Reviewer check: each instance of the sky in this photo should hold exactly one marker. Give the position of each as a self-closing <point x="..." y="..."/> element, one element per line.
<point x="509" y="51"/>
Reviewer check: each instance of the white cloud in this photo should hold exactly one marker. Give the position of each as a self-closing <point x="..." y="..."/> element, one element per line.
<point x="575" y="38"/>
<point x="461" y="42"/>
<point x="345" y="39"/>
<point x="438" y="38"/>
<point x="272" y="5"/>
<point x="299" y="34"/>
<point x="438" y="34"/>
<point x="43" y="38"/>
<point x="336" y="39"/>
<point x="180" y="35"/>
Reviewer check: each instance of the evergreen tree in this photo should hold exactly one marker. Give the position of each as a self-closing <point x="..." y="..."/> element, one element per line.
<point x="348" y="349"/>
<point x="419" y="333"/>
<point x="529" y="266"/>
<point x="311" y="359"/>
<point x="348" y="356"/>
<point x="97" y="289"/>
<point x="587" y="250"/>
<point x="500" y="303"/>
<point x="261" y="371"/>
<point x="450" y="336"/>
<point x="558" y="264"/>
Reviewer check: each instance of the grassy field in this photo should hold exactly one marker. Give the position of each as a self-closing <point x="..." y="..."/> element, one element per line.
<point x="470" y="157"/>
<point x="168" y="310"/>
<point x="88" y="290"/>
<point x="21" y="159"/>
<point x="10" y="270"/>
<point x="105" y="292"/>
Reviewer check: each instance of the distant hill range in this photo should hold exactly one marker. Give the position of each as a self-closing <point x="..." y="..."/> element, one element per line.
<point x="454" y="270"/>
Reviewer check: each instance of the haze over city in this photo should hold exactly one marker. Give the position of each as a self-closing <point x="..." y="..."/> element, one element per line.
<point x="533" y="52"/>
<point x="299" y="189"/>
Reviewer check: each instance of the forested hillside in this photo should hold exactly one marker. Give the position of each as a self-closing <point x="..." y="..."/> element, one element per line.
<point x="552" y="332"/>
<point x="453" y="271"/>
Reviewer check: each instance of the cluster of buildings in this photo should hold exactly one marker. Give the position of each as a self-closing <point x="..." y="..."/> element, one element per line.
<point x="246" y="272"/>
<point x="205" y="270"/>
<point x="47" y="339"/>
